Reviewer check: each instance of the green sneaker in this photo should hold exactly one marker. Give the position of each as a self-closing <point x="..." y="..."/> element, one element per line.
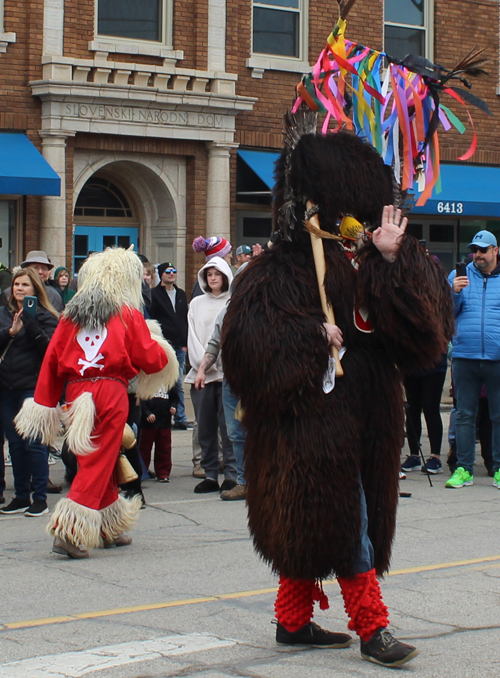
<point x="461" y="478"/>
<point x="496" y="479"/>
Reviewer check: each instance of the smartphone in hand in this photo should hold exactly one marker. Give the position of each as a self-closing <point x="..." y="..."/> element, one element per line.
<point x="30" y="305"/>
<point x="461" y="269"/>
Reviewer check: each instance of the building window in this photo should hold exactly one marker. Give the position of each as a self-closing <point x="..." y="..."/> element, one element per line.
<point x="133" y="20"/>
<point x="408" y="27"/>
<point x="10" y="212"/>
<point x="253" y="227"/>
<point x="100" y="198"/>
<point x="277" y="27"/>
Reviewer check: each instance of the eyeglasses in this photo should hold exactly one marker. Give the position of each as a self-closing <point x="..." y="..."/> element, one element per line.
<point x="483" y="250"/>
<point x="170" y="270"/>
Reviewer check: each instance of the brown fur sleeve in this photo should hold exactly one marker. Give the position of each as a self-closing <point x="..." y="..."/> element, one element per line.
<point x="409" y="304"/>
<point x="273" y="345"/>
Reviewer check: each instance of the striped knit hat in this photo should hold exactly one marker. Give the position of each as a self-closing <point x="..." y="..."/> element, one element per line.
<point x="213" y="247"/>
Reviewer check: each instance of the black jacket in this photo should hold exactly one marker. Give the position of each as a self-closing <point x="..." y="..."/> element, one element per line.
<point x="21" y="364"/>
<point x="160" y="407"/>
<point x="174" y="324"/>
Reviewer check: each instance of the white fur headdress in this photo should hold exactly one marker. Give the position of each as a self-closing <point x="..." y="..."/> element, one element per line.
<point x="107" y="281"/>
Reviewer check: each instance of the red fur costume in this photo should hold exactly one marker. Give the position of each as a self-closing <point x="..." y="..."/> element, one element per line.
<point x="101" y="343"/>
<point x="307" y="451"/>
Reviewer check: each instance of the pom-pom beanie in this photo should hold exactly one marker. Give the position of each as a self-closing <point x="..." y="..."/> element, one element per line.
<point x="213" y="247"/>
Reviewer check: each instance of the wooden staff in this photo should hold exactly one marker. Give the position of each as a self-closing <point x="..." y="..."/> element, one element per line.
<point x="320" y="265"/>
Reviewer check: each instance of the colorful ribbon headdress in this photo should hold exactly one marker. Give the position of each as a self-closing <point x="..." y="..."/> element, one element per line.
<point x="394" y="104"/>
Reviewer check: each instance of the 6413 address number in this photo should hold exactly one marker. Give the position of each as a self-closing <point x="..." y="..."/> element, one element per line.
<point x="450" y="207"/>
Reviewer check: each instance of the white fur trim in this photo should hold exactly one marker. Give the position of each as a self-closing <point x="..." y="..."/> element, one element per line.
<point x="119" y="516"/>
<point x="149" y="384"/>
<point x="35" y="421"/>
<point x="82" y="418"/>
<point x="76" y="524"/>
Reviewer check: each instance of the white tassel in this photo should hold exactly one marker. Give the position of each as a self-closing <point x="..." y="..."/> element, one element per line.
<point x="34" y="421"/>
<point x="82" y="418"/>
<point x="149" y="384"/>
<point x="119" y="516"/>
<point x="76" y="524"/>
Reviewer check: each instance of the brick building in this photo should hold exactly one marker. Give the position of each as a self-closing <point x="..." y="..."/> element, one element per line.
<point x="162" y="118"/>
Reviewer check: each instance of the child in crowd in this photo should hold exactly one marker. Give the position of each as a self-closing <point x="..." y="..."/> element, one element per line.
<point x="156" y="428"/>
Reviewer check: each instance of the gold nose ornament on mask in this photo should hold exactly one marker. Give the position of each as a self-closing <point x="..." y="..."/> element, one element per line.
<point x="350" y="228"/>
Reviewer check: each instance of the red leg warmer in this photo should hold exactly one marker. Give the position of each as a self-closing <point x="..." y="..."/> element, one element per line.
<point x="364" y="605"/>
<point x="295" y="601"/>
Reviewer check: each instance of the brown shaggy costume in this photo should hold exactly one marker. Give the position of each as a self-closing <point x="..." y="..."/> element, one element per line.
<point x="305" y="450"/>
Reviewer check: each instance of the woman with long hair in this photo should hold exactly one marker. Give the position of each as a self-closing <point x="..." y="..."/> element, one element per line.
<point x="23" y="341"/>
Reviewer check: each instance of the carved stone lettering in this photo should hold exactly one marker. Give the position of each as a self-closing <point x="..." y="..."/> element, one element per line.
<point x="143" y="116"/>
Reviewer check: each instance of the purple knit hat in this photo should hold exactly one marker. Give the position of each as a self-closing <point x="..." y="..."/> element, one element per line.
<point x="213" y="247"/>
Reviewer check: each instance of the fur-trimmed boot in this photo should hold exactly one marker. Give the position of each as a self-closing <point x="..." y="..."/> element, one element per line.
<point x="117" y="518"/>
<point x="294" y="611"/>
<point x="74" y="525"/>
<point x="369" y="618"/>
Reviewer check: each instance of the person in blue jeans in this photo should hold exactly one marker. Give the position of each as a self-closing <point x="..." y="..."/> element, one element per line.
<point x="235" y="430"/>
<point x="476" y="354"/>
<point x="169" y="306"/>
<point x="23" y="342"/>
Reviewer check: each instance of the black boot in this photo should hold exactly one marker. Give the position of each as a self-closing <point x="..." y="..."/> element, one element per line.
<point x="383" y="648"/>
<point x="312" y="635"/>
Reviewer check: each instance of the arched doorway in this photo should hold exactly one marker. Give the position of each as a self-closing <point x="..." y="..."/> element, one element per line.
<point x="104" y="216"/>
<point x="155" y="188"/>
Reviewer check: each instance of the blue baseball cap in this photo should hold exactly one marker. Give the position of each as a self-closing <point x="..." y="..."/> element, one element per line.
<point x="483" y="239"/>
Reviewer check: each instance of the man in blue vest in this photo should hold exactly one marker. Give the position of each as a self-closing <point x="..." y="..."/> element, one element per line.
<point x="476" y="353"/>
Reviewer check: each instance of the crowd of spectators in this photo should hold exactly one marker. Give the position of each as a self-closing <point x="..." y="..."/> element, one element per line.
<point x="31" y="303"/>
<point x="194" y="331"/>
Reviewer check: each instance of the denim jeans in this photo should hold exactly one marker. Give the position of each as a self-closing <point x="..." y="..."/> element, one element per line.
<point x="364" y="559"/>
<point x="235" y="430"/>
<point x="30" y="459"/>
<point x="180" y="415"/>
<point x="468" y="378"/>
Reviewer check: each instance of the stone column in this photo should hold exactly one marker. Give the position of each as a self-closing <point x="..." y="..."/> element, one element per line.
<point x="219" y="190"/>
<point x="53" y="207"/>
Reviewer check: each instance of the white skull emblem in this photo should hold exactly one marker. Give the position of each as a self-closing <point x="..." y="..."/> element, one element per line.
<point x="91" y="341"/>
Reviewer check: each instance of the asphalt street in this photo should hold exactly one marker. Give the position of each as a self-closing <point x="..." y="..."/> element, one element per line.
<point x="189" y="597"/>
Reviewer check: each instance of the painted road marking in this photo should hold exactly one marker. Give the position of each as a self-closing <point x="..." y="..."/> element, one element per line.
<point x="76" y="664"/>
<point x="223" y="596"/>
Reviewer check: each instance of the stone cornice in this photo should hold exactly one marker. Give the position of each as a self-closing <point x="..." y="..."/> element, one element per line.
<point x="101" y="96"/>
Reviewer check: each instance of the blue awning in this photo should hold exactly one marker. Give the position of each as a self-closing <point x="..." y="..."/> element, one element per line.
<point x="467" y="191"/>
<point x="23" y="169"/>
<point x="262" y="163"/>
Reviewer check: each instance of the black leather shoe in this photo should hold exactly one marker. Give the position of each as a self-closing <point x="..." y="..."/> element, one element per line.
<point x="384" y="649"/>
<point x="312" y="635"/>
<point x="207" y="485"/>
